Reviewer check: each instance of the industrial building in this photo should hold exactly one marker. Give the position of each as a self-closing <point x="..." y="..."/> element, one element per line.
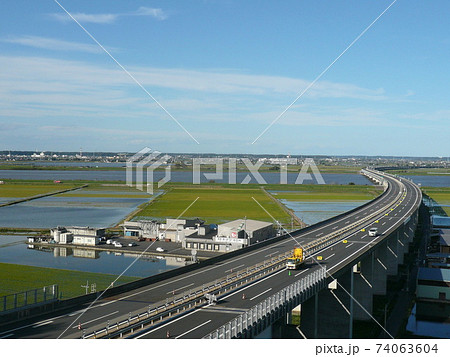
<point x="433" y="284"/>
<point x="174" y="230"/>
<point x="444" y="240"/>
<point x="141" y="229"/>
<point x="229" y="236"/>
<point x="77" y="235"/>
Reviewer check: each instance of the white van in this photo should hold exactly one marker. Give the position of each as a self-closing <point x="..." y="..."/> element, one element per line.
<point x="373" y="232"/>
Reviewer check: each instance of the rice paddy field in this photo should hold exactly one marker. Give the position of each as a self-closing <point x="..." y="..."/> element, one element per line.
<point x="18" y="278"/>
<point x="327" y="193"/>
<point x="220" y="203"/>
<point x="215" y="204"/>
<point x="441" y="195"/>
<point x="97" y="205"/>
<point x="11" y="191"/>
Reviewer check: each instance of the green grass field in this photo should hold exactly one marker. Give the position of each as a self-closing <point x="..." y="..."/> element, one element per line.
<point x="219" y="203"/>
<point x="216" y="204"/>
<point x="29" y="189"/>
<point x="17" y="278"/>
<point x="441" y="195"/>
<point x="422" y="172"/>
<point x="327" y="193"/>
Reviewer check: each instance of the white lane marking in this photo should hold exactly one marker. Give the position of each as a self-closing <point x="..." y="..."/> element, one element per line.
<point x="8" y="335"/>
<point x="303" y="271"/>
<point x="335" y="227"/>
<point x="318" y="235"/>
<point x="43" y="324"/>
<point x="268" y="255"/>
<point x="192" y="329"/>
<point x="348" y="245"/>
<point x="256" y="282"/>
<point x="214" y="267"/>
<point x="330" y="256"/>
<point x="98" y="318"/>
<point x="257" y="296"/>
<point x="383" y="223"/>
<point x="347" y="222"/>
<point x="170" y="322"/>
<point x="175" y="290"/>
<point x="76" y="313"/>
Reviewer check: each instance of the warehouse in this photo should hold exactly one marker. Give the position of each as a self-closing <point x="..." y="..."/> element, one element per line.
<point x="433" y="284"/>
<point x="141" y="229"/>
<point x="77" y="235"/>
<point x="229" y="236"/>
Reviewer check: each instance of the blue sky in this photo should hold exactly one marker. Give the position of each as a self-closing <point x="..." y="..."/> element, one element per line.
<point x="225" y="70"/>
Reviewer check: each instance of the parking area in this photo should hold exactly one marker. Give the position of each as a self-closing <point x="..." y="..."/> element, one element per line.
<point x="155" y="247"/>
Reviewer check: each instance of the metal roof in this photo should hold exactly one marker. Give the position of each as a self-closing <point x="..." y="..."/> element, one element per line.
<point x="440" y="221"/>
<point x="247" y="224"/>
<point x="434" y="274"/>
<point x="444" y="237"/>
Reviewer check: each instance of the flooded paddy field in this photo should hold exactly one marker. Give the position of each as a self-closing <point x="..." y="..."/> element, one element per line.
<point x="314" y="212"/>
<point x="96" y="206"/>
<point x="15" y="250"/>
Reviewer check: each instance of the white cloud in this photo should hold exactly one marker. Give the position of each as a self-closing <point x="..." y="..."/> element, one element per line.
<point x="53" y="44"/>
<point x="148" y="11"/>
<point x="81" y="17"/>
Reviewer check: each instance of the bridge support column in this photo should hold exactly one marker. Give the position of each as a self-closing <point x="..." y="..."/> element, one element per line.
<point x="409" y="230"/>
<point x="401" y="249"/>
<point x="363" y="289"/>
<point x="309" y="312"/>
<point x="328" y="313"/>
<point x="379" y="269"/>
<point x="392" y="255"/>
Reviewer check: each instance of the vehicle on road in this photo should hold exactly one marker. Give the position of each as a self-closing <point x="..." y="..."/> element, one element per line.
<point x="132" y="244"/>
<point x="118" y="245"/>
<point x="109" y="241"/>
<point x="159" y="249"/>
<point x="295" y="260"/>
<point x="373" y="232"/>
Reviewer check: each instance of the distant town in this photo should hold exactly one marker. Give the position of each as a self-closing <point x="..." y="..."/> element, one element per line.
<point x="184" y="159"/>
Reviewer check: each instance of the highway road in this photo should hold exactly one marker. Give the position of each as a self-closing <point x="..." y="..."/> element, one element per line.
<point x="201" y="321"/>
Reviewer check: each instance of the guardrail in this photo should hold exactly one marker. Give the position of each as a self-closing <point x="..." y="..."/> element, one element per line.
<point x="299" y="292"/>
<point x="162" y="310"/>
<point x="192" y="298"/>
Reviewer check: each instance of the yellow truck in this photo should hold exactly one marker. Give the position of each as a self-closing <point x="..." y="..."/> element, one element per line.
<point x="295" y="260"/>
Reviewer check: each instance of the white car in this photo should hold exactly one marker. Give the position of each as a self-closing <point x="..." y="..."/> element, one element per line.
<point x="159" y="249"/>
<point x="118" y="245"/>
<point x="373" y="232"/>
<point x="132" y="244"/>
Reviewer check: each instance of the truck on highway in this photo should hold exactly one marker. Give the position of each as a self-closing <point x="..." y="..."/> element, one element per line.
<point x="295" y="260"/>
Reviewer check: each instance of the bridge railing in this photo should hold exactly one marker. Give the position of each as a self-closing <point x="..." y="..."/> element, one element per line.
<point x="191" y="298"/>
<point x="29" y="298"/>
<point x="302" y="289"/>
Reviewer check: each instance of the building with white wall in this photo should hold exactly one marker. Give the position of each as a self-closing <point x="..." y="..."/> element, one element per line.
<point x="77" y="235"/>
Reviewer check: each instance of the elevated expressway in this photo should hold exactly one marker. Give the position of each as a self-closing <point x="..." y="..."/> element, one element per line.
<point x="176" y="305"/>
